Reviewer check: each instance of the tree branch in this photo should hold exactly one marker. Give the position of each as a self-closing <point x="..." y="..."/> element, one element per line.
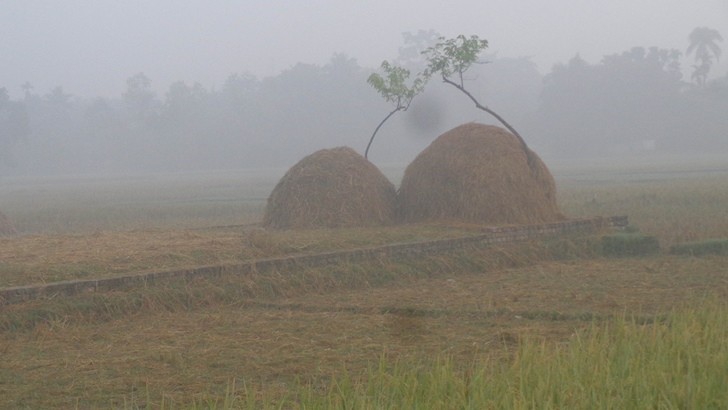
<point x="494" y="114"/>
<point x="399" y="108"/>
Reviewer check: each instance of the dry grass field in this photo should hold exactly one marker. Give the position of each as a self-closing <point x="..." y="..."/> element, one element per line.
<point x="276" y="337"/>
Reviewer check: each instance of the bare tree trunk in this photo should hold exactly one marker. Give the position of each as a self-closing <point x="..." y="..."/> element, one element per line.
<point x="366" y="152"/>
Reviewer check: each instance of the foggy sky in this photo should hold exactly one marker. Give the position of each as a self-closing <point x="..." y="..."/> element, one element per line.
<point x="90" y="47"/>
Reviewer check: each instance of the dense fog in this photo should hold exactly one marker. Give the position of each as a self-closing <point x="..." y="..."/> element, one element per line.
<point x="635" y="102"/>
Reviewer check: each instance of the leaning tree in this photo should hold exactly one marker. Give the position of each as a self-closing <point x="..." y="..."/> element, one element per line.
<point x="450" y="59"/>
<point x="395" y="86"/>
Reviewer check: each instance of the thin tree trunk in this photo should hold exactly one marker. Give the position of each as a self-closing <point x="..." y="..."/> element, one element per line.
<point x="366" y="152"/>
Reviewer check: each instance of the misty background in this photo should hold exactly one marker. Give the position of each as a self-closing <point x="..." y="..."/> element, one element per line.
<point x="128" y="87"/>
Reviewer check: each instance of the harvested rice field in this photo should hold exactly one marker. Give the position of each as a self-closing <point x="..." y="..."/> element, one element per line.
<point x="280" y="338"/>
<point x="186" y="349"/>
<point x="36" y="259"/>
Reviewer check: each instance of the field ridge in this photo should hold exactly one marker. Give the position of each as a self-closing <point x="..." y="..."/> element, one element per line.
<point x="491" y="235"/>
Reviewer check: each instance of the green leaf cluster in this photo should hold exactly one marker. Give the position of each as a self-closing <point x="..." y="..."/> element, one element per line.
<point x="453" y="56"/>
<point x="393" y="84"/>
<point x="447" y="57"/>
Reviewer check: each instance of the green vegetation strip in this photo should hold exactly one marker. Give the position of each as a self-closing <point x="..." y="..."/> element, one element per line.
<point x="708" y="247"/>
<point x="492" y="235"/>
<point x="629" y="244"/>
<point x="676" y="363"/>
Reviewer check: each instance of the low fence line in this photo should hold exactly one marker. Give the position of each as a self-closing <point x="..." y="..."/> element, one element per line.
<point x="491" y="235"/>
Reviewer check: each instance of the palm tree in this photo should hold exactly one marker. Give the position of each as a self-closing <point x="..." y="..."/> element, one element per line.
<point x="703" y="43"/>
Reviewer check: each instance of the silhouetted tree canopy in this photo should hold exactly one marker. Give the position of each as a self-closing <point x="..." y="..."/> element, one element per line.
<point x="14" y="125"/>
<point x="704" y="46"/>
<point x="628" y="102"/>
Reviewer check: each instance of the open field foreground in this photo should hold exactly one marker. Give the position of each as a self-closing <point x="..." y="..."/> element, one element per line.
<point x="549" y="324"/>
<point x="191" y="341"/>
<point x="181" y="344"/>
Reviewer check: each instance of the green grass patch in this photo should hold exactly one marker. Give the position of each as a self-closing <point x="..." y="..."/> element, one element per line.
<point x="679" y="362"/>
<point x="699" y="248"/>
<point x="629" y="244"/>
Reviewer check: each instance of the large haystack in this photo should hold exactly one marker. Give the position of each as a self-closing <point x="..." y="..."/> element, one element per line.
<point x="6" y="228"/>
<point x="478" y="173"/>
<point x="331" y="188"/>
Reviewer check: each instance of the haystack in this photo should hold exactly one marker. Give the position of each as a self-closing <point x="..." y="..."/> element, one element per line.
<point x="6" y="228"/>
<point x="331" y="188"/>
<point x="481" y="174"/>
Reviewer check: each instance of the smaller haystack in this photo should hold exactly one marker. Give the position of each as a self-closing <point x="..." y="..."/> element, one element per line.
<point x="481" y="174"/>
<point x="331" y="188"/>
<point x="6" y="228"/>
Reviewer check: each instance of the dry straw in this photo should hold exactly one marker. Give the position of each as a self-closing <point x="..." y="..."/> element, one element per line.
<point x="331" y="188"/>
<point x="6" y="228"/>
<point x="478" y="173"/>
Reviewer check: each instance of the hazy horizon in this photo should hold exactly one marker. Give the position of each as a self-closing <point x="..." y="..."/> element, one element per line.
<point x="91" y="48"/>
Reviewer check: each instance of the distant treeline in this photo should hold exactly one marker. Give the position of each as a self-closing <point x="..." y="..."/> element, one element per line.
<point x="631" y="103"/>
